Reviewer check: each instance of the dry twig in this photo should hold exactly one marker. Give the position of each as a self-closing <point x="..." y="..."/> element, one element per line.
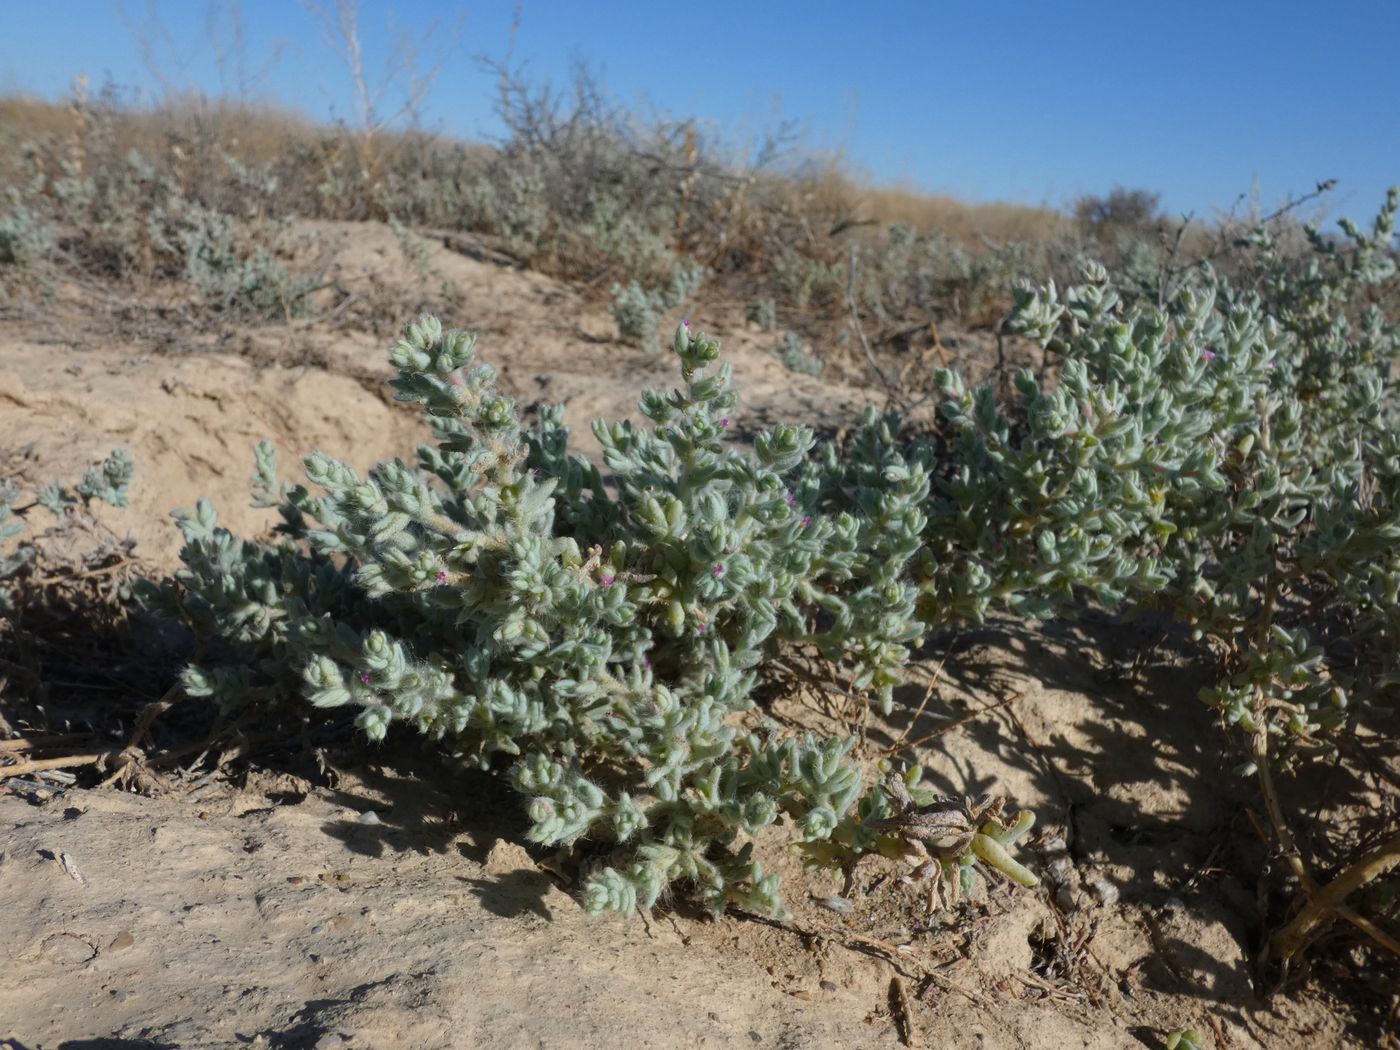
<point x="1329" y="902"/>
<point x="904" y="1013"/>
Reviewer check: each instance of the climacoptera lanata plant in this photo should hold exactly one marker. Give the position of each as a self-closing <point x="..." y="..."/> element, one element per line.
<point x="637" y="311"/>
<point x="1275" y="538"/>
<point x="1231" y="456"/>
<point x="503" y="597"/>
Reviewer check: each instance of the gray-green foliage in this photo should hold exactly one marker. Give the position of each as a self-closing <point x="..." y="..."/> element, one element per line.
<point x="763" y="312"/>
<point x="635" y="243"/>
<point x="25" y="238"/>
<point x="508" y="201"/>
<point x="1230" y="456"/>
<point x="107" y="482"/>
<point x="233" y="273"/>
<point x="11" y="525"/>
<point x="917" y="274"/>
<point x="800" y="279"/>
<point x="638" y="311"/>
<point x="125" y="215"/>
<point x="797" y="356"/>
<point x="500" y="597"/>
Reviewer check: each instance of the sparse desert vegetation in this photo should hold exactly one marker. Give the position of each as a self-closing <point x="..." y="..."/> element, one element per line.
<point x="871" y="618"/>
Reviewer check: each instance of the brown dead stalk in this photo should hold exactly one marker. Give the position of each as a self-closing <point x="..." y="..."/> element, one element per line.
<point x="1329" y="903"/>
<point x="1323" y="904"/>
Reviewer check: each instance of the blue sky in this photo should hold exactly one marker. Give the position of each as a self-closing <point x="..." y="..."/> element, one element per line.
<point x="1035" y="102"/>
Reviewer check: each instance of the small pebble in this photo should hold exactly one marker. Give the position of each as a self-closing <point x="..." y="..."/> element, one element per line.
<point x="837" y="904"/>
<point x="369" y="816"/>
<point x="828" y="986"/>
<point x="71" y="867"/>
<point x="1105" y="891"/>
<point x="121" y="941"/>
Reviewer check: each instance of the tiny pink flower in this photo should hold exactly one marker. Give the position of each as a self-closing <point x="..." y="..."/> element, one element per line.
<point x="702" y="628"/>
<point x="723" y="423"/>
<point x="1209" y="355"/>
<point x="1272" y="362"/>
<point x="646" y="663"/>
<point x="607" y="581"/>
<point x="685" y="323"/>
<point x="790" y="498"/>
<point x="442" y="577"/>
<point x="534" y="472"/>
<point x="719" y="570"/>
<point x="806" y="520"/>
<point x="364" y="677"/>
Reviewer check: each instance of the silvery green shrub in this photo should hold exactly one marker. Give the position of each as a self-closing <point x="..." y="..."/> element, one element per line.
<point x="11" y="525"/>
<point x="797" y="356"/>
<point x="912" y="276"/>
<point x="637" y="311"/>
<point x="801" y="279"/>
<point x="763" y="312"/>
<point x="508" y="201"/>
<point x="1230" y="457"/>
<point x="233" y="275"/>
<point x="498" y="595"/>
<point x="635" y="243"/>
<point x="26" y="240"/>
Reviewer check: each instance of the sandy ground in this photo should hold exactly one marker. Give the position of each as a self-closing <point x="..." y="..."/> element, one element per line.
<point x="387" y="900"/>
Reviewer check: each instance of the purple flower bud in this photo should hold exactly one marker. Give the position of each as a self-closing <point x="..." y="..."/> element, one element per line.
<point x="791" y="499"/>
<point x="1209" y="355"/>
<point x="723" y="423"/>
<point x="607" y="581"/>
<point x="806" y="520"/>
<point x="442" y="577"/>
<point x="534" y="472"/>
<point x="719" y="570"/>
<point x="685" y="323"/>
<point x="364" y="677"/>
<point x="702" y="628"/>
